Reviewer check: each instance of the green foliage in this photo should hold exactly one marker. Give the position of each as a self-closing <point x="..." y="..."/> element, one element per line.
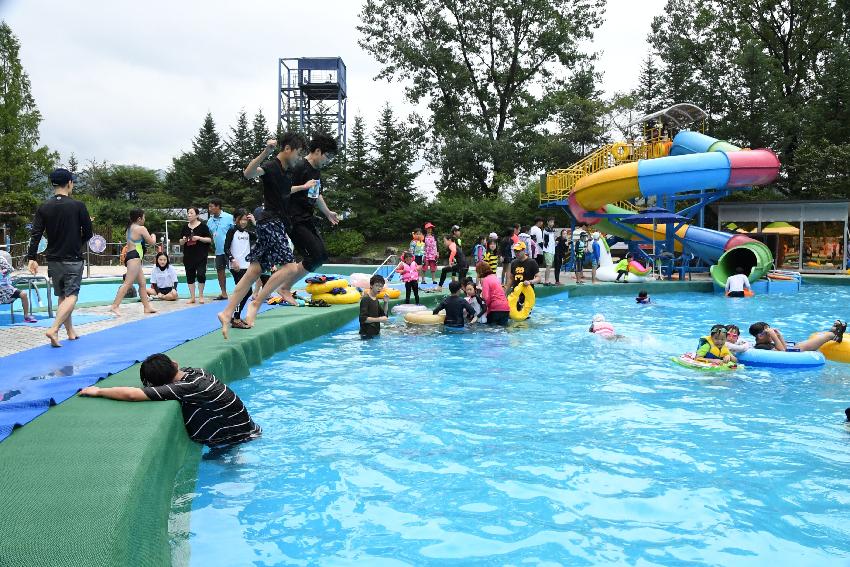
<point x="23" y="163"/>
<point x="770" y="74"/>
<point x="479" y="66"/>
<point x="195" y="176"/>
<point x="344" y="243"/>
<point x="130" y="183"/>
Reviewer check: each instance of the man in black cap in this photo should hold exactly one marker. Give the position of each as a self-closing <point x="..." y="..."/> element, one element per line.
<point x="68" y="226"/>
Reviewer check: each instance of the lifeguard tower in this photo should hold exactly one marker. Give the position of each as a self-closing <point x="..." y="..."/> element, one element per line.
<point x="312" y="89"/>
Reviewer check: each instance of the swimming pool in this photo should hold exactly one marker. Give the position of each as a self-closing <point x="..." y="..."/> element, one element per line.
<point x="538" y="445"/>
<point x="102" y="292"/>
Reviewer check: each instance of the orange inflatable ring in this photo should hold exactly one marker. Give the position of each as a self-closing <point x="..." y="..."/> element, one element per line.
<point x="390" y="292"/>
<point x="747" y="293"/>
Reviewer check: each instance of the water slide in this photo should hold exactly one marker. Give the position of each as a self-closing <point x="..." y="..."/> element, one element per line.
<point x="695" y="162"/>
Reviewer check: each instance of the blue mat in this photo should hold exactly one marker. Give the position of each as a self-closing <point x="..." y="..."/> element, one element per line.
<point x="35" y="379"/>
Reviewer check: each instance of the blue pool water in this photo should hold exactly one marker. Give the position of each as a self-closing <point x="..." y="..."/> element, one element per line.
<point x="103" y="292"/>
<point x="539" y="445"/>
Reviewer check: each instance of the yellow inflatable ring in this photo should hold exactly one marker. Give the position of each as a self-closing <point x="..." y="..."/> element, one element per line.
<point x="527" y="306"/>
<point x="390" y="292"/>
<point x="351" y="295"/>
<point x="621" y="151"/>
<point x="424" y="318"/>
<point x="837" y="352"/>
<point x="326" y="287"/>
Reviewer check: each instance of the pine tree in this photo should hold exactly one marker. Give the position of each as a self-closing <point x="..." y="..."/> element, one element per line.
<point x="239" y="147"/>
<point x="391" y="171"/>
<point x="352" y="193"/>
<point x="260" y="133"/>
<point x="23" y="164"/>
<point x="647" y="94"/>
<point x="73" y="164"/>
<point x="197" y="176"/>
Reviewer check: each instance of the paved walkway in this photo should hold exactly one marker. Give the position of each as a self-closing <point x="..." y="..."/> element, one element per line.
<point x="18" y="338"/>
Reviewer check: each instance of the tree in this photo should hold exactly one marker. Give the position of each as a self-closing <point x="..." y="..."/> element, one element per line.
<point x="392" y="174"/>
<point x="195" y="176"/>
<point x="239" y="148"/>
<point x="648" y="93"/>
<point x="480" y="67"/>
<point x="23" y="163"/>
<point x="131" y="183"/>
<point x="260" y="132"/>
<point x="73" y="164"/>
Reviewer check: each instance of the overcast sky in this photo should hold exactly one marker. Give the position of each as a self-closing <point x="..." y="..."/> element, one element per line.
<point x="130" y="82"/>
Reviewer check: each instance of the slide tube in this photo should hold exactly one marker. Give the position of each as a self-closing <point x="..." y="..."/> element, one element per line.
<point x="696" y="162"/>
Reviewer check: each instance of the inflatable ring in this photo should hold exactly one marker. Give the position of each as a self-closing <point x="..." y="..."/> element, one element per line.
<point x="351" y="295"/>
<point x="424" y="318"/>
<point x="779" y="277"/>
<point x="747" y="293"/>
<point x="621" y="151"/>
<point x="527" y="306"/>
<point x="390" y="292"/>
<point x="359" y="280"/>
<point x="326" y="287"/>
<point x="781" y="359"/>
<point x="836" y="352"/>
<point x="408" y="308"/>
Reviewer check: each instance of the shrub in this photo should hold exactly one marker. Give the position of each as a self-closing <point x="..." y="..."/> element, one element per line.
<point x="345" y="243"/>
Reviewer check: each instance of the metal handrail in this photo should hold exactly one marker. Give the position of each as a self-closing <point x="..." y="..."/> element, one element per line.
<point x="390" y="262"/>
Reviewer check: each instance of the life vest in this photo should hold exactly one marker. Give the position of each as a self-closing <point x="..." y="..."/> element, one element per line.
<point x="603" y="328"/>
<point x="622" y="265"/>
<point x="713" y="351"/>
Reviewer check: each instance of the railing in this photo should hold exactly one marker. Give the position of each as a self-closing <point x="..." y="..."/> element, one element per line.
<point x="560" y="182"/>
<point x="387" y="268"/>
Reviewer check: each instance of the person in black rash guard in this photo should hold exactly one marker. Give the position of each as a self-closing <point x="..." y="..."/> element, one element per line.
<point x="302" y="230"/>
<point x="455" y="307"/>
<point x="272" y="245"/>
<point x="212" y="413"/>
<point x="68" y="226"/>
<point x="524" y="270"/>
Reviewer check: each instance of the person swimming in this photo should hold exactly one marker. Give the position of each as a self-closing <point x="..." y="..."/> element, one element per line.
<point x="602" y="328"/>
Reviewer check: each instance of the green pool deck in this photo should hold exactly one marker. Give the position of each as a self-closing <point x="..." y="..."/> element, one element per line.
<point x="90" y="482"/>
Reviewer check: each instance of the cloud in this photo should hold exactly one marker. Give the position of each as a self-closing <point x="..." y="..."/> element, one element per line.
<point x="131" y="82"/>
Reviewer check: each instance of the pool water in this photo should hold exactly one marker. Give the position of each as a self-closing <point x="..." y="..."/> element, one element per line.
<point x="539" y="444"/>
<point x="105" y="292"/>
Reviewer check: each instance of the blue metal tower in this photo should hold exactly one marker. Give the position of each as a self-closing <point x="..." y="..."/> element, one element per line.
<point x="312" y="89"/>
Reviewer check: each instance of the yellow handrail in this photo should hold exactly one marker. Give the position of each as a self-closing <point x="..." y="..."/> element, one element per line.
<point x="560" y="182"/>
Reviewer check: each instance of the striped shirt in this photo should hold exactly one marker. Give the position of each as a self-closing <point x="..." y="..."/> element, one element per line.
<point x="492" y="258"/>
<point x="212" y="413"/>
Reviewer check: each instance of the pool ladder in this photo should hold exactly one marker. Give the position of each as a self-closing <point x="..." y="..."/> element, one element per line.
<point x="387" y="268"/>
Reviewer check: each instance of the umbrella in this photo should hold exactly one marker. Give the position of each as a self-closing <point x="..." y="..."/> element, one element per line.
<point x="654" y="215"/>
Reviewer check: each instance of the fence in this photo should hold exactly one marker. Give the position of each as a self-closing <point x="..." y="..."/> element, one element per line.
<point x="111" y="256"/>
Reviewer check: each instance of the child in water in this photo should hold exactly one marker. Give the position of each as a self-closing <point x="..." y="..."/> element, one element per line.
<point x="473" y="297"/>
<point x="713" y="347"/>
<point x="455" y="308"/>
<point x="643" y="298"/>
<point x="602" y="328"/>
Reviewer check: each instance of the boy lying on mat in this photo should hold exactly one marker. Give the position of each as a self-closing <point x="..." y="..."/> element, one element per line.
<point x="212" y="413"/>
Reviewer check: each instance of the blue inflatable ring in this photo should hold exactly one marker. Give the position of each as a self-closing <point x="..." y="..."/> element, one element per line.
<point x="781" y="359"/>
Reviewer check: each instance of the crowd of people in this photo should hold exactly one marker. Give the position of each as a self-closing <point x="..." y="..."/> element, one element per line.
<point x="289" y="171"/>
